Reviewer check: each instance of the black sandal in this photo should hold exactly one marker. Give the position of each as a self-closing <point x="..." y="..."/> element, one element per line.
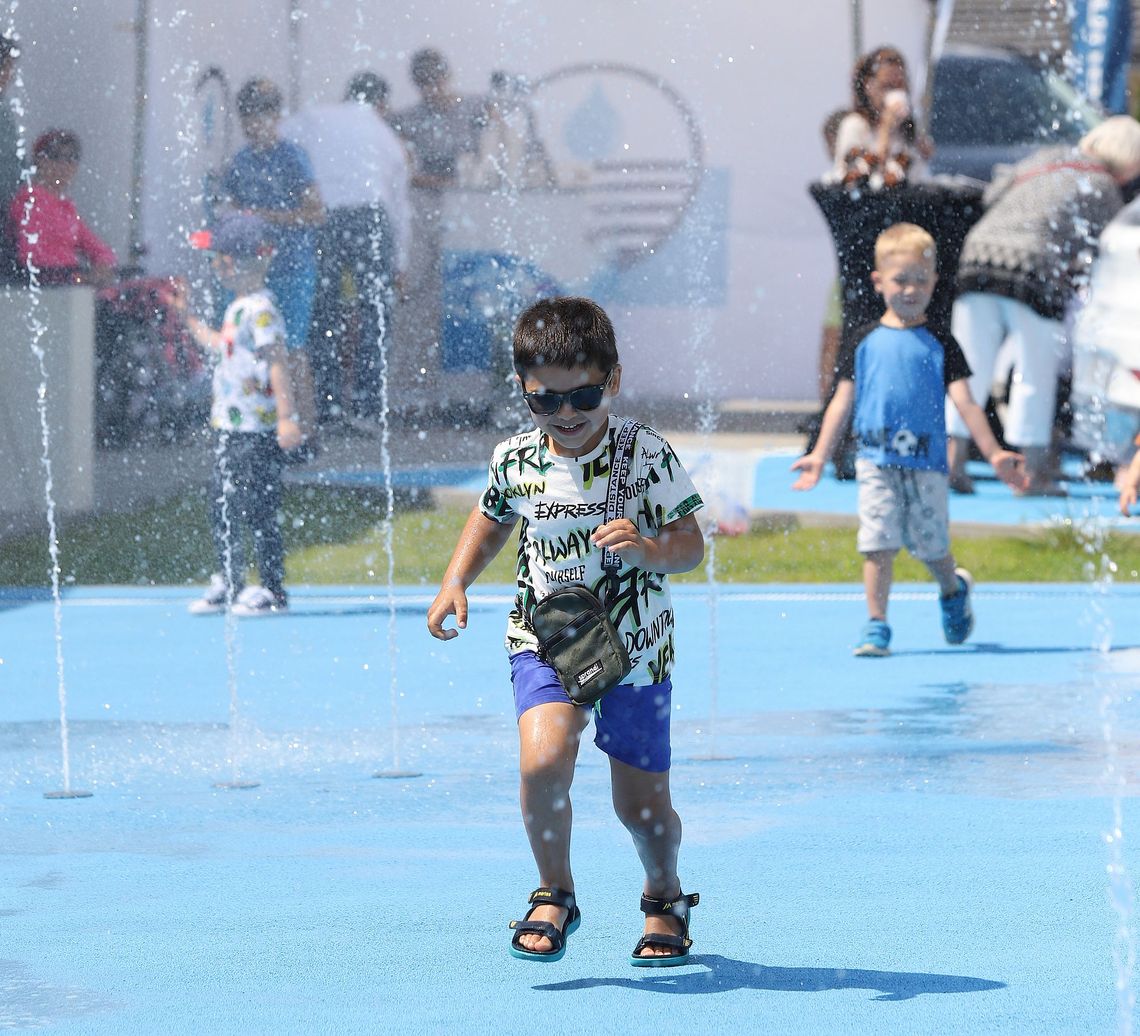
<point x="678" y="908"/>
<point x="558" y="936"/>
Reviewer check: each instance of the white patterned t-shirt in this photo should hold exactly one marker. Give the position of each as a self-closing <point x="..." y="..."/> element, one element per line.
<point x="559" y="502"/>
<point x="243" y="396"/>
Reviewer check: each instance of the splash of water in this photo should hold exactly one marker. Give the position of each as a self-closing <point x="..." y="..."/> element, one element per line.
<point x="377" y="292"/>
<point x="1100" y="570"/>
<point x="704" y="387"/>
<point x="230" y="620"/>
<point x="37" y="328"/>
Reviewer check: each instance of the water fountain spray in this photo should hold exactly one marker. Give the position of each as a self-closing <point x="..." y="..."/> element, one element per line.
<point x="378" y="290"/>
<point x="37" y="328"/>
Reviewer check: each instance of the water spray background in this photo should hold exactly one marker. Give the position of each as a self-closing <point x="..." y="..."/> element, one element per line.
<point x="173" y="203"/>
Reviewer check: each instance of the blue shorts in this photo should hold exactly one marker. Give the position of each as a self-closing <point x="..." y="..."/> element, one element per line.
<point x="632" y="725"/>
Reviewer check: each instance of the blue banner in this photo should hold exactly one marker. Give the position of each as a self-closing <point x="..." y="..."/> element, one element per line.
<point x="1102" y="45"/>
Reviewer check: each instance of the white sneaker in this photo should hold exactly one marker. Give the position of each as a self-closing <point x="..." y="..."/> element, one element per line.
<point x="256" y="600"/>
<point x="213" y="600"/>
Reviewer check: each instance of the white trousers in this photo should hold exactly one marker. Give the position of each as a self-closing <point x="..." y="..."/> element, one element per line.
<point x="981" y="323"/>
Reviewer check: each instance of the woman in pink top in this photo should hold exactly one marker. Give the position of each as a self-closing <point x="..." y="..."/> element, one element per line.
<point x="48" y="231"/>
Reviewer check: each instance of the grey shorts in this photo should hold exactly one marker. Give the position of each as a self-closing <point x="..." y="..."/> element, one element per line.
<point x="903" y="507"/>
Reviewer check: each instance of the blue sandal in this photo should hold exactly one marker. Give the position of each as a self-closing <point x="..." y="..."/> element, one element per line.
<point x="678" y="908"/>
<point x="558" y="936"/>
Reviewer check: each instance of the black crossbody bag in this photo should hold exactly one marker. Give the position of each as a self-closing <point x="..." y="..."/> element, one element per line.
<point x="573" y="627"/>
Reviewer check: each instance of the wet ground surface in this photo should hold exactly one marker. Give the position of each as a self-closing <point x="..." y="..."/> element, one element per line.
<point x="913" y="844"/>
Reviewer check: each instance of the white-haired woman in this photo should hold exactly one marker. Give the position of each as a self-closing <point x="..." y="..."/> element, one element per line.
<point x="1021" y="264"/>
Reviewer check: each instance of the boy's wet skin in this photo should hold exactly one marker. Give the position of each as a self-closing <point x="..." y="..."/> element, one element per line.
<point x="566" y="362"/>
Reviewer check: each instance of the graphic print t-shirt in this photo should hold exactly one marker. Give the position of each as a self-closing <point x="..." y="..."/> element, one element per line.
<point x="900" y="376"/>
<point x="243" y="397"/>
<point x="559" y="502"/>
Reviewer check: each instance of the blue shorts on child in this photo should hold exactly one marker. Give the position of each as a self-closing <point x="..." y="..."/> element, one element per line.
<point x="631" y="724"/>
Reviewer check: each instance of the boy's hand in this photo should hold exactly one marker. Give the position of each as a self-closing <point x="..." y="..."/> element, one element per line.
<point x="623" y="539"/>
<point x="810" y="468"/>
<point x="1127" y="499"/>
<point x="451" y="600"/>
<point x="1010" y="468"/>
<point x="178" y="294"/>
<point x="288" y="433"/>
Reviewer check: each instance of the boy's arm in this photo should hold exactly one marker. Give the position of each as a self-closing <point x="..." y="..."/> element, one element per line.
<point x="308" y="212"/>
<point x="678" y="546"/>
<point x="810" y="466"/>
<point x="479" y="543"/>
<point x="1130" y="485"/>
<point x="206" y="337"/>
<point x="98" y="253"/>
<point x="1009" y="466"/>
<point x="288" y="429"/>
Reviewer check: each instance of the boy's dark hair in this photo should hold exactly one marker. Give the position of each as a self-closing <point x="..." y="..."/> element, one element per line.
<point x="58" y="145"/>
<point x="428" y="66"/>
<point x="258" y="97"/>
<point x="9" y="48"/>
<point x="564" y="332"/>
<point x="367" y="88"/>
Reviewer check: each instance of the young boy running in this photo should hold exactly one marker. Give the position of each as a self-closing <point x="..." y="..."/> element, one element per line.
<point x="896" y="374"/>
<point x="253" y="418"/>
<point x="552" y="483"/>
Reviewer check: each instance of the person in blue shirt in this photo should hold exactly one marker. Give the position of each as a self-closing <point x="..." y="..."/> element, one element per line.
<point x="896" y="374"/>
<point x="272" y="178"/>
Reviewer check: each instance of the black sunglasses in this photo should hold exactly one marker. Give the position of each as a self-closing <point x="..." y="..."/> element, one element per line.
<point x="587" y="397"/>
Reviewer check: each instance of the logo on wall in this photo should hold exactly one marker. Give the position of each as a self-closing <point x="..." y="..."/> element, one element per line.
<point x="586" y="175"/>
<point x="630" y="144"/>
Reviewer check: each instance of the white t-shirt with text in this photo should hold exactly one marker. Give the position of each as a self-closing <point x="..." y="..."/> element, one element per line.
<point x="559" y="502"/>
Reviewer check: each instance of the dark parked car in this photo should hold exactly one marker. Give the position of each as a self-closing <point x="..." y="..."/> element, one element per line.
<point x="990" y="105"/>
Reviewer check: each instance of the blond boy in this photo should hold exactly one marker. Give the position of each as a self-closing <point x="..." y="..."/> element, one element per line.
<point x="896" y="374"/>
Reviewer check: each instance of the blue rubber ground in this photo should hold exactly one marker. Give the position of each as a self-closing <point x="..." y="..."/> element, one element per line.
<point x="737" y="480"/>
<point x="992" y="503"/>
<point x="908" y="845"/>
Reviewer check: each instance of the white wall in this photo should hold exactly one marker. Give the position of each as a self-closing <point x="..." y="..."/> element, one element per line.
<point x="77" y="72"/>
<point x="66" y="320"/>
<point x="760" y="77"/>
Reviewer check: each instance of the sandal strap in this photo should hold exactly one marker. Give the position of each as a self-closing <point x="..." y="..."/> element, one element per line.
<point x="547" y="897"/>
<point x="554" y="897"/>
<point x="545" y="928"/>
<point x="678" y="907"/>
<point x="665" y="942"/>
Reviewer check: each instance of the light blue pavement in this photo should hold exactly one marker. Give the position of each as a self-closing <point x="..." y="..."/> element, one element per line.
<point x="737" y="481"/>
<point x="907" y="845"/>
<point x="992" y="504"/>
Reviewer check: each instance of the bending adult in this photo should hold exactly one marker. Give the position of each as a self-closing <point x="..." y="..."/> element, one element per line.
<point x="879" y="140"/>
<point x="1021" y="265"/>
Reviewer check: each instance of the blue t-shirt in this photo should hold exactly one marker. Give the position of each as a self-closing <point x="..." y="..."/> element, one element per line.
<point x="900" y="376"/>
<point x="275" y="178"/>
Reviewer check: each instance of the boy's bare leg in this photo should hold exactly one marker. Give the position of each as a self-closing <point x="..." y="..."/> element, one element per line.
<point x="878" y="573"/>
<point x="549" y="735"/>
<point x="943" y="571"/>
<point x="643" y="804"/>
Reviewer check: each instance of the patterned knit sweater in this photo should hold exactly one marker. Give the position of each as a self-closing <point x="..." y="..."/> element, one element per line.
<point x="1038" y="235"/>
